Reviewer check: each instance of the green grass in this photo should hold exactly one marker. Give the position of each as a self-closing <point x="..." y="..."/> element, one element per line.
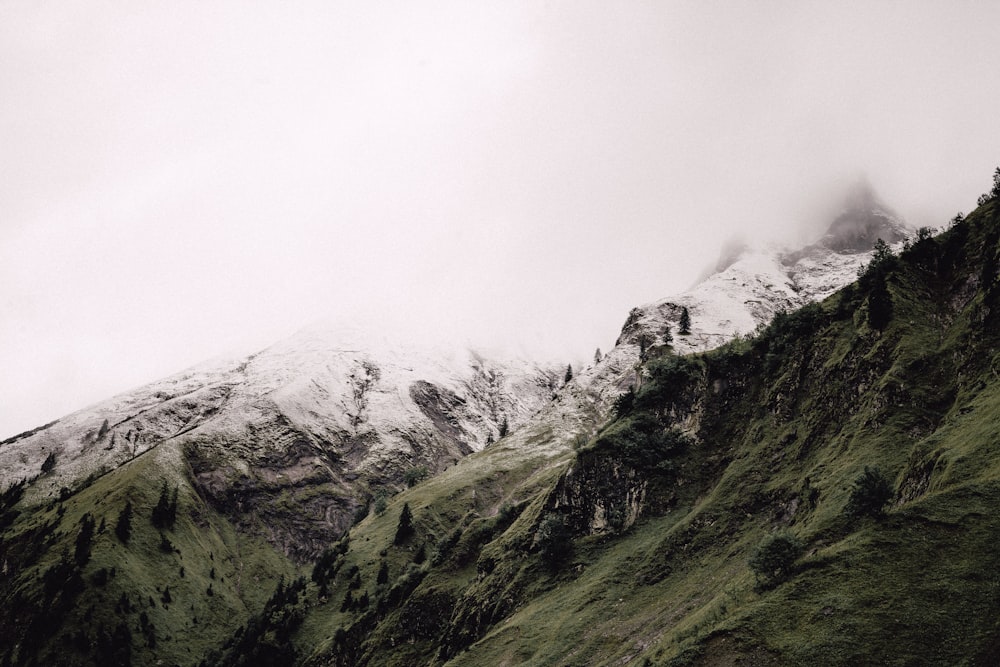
<point x="780" y="427"/>
<point x="193" y="622"/>
<point x="804" y="415"/>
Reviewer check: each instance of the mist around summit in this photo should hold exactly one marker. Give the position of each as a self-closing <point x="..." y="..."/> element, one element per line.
<point x="529" y="334"/>
<point x="184" y="182"/>
<point x="795" y="435"/>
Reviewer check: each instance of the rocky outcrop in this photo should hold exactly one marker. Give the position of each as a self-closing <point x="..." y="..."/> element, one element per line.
<point x="600" y="494"/>
<point x="864" y="220"/>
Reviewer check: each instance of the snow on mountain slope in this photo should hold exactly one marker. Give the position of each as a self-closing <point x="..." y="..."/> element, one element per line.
<point x="339" y="411"/>
<point x="329" y="418"/>
<point x="758" y="282"/>
<point x="746" y="290"/>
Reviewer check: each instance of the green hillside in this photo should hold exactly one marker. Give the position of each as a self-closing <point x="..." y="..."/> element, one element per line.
<point x="821" y="493"/>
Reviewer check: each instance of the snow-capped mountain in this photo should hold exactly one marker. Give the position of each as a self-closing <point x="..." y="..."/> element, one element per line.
<point x="338" y="410"/>
<point x="752" y="283"/>
<point x="749" y="285"/>
<point x="330" y="418"/>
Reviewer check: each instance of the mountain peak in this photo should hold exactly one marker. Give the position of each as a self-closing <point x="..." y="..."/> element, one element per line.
<point x="863" y="220"/>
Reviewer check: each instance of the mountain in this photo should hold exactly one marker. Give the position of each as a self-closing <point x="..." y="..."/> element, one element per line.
<point x="750" y="284"/>
<point x="610" y="526"/>
<point x="326" y="418"/>
<point x="820" y="493"/>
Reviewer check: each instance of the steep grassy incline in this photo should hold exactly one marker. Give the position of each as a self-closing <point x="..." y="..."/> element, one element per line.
<point x="81" y="585"/>
<point x="635" y="549"/>
<point x="567" y="545"/>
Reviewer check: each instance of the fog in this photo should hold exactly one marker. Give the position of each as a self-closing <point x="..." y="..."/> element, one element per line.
<point x="182" y="180"/>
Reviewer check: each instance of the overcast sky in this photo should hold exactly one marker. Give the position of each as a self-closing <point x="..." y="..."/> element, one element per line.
<point x="181" y="179"/>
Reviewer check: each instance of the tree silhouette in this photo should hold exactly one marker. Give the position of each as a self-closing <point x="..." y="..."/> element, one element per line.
<point x="554" y="541"/>
<point x="84" y="540"/>
<point x="872" y="490"/>
<point x="569" y="373"/>
<point x="405" y="527"/>
<point x="774" y="557"/>
<point x="879" y="303"/>
<point x="415" y="475"/>
<point x="165" y="512"/>
<point x="643" y="344"/>
<point x="123" y="528"/>
<point x="684" y="326"/>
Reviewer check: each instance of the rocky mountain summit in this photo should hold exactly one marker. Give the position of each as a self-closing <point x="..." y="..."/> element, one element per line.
<point x="753" y="282"/>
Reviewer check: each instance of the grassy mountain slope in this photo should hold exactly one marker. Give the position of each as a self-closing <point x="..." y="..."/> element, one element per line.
<point x="164" y="594"/>
<point x="667" y="504"/>
<point x="630" y="544"/>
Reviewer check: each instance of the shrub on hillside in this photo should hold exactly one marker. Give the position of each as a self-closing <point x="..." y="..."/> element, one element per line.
<point x="123" y="527"/>
<point x="165" y="512"/>
<point x="554" y="541"/>
<point x="870" y="494"/>
<point x="644" y="442"/>
<point x="774" y="557"/>
<point x="415" y="475"/>
<point x="879" y="304"/>
<point x="666" y="379"/>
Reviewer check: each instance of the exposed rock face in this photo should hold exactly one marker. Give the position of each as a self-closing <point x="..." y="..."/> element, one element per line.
<point x="600" y="494"/>
<point x="864" y="220"/>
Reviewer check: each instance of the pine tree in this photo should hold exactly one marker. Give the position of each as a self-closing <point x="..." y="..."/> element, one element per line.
<point x="504" y="426"/>
<point x="879" y="303"/>
<point x="123" y="528"/>
<point x="165" y="512"/>
<point x="684" y="326"/>
<point x="84" y="540"/>
<point x="569" y="373"/>
<point x="383" y="574"/>
<point x="881" y="253"/>
<point x="623" y="404"/>
<point x="643" y="345"/>
<point x="405" y="527"/>
<point x="597" y="356"/>
<point x="49" y="463"/>
<point x="668" y="337"/>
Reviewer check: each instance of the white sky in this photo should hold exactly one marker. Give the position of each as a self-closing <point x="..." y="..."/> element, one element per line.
<point x="184" y="179"/>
